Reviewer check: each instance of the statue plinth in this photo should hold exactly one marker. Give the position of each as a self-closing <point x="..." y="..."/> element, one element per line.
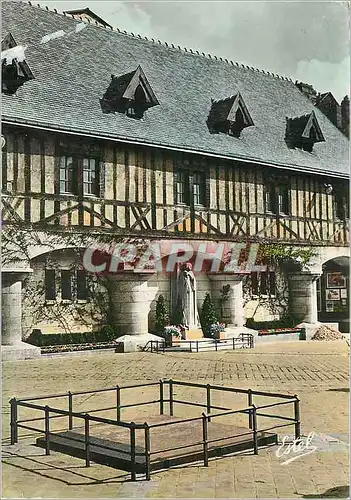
<point x="193" y="334"/>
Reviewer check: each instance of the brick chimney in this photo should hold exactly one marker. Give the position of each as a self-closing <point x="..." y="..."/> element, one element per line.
<point x="345" y="115"/>
<point x="308" y="90"/>
<point x="87" y="15"/>
<point x="330" y="107"/>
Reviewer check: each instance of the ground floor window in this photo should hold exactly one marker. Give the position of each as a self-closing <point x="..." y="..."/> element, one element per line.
<point x="263" y="283"/>
<point x="66" y="284"/>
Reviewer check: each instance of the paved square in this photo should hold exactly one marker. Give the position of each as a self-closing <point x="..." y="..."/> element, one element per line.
<point x="316" y="371"/>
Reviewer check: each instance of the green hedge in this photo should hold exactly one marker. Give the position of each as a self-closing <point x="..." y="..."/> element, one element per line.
<point x="286" y="322"/>
<point x="37" y="338"/>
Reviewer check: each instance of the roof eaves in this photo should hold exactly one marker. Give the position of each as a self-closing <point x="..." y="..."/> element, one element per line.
<point x="73" y="131"/>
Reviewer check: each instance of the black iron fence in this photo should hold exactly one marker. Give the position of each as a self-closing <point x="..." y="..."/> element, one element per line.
<point x="252" y="411"/>
<point x="243" y="340"/>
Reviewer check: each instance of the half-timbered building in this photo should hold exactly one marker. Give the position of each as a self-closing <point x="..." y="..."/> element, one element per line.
<point x="109" y="136"/>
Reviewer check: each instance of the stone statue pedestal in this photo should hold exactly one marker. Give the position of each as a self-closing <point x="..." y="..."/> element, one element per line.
<point x="194" y="334"/>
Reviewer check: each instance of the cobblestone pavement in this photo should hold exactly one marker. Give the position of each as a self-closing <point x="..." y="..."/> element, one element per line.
<point x="316" y="371"/>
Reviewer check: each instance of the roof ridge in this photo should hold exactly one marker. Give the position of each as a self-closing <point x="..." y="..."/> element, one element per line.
<point x="165" y="44"/>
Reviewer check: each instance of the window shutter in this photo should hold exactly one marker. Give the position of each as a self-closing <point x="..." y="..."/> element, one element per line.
<point x="272" y="283"/>
<point x="263" y="284"/>
<point x="82" y="285"/>
<point x="66" y="285"/>
<point x="100" y="188"/>
<point x="208" y="188"/>
<point x="254" y="284"/>
<point x="50" y="285"/>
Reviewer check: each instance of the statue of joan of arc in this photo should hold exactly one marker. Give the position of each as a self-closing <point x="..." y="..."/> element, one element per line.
<point x="187" y="297"/>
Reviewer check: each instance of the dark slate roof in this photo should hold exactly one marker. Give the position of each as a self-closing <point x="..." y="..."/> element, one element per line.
<point x="73" y="72"/>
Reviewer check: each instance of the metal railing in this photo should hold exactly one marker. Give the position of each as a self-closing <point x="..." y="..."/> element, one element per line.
<point x="246" y="339"/>
<point x="251" y="410"/>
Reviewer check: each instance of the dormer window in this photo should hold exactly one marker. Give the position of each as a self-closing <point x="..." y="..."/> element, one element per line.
<point x="303" y="132"/>
<point x="229" y="116"/>
<point x="130" y="94"/>
<point x="14" y="69"/>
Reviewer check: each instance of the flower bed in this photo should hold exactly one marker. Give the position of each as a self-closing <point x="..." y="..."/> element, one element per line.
<point x="77" y="347"/>
<point x="278" y="331"/>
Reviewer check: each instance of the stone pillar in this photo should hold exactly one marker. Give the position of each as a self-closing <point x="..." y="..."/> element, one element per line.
<point x="131" y="300"/>
<point x="233" y="305"/>
<point x="11" y="317"/>
<point x="303" y="296"/>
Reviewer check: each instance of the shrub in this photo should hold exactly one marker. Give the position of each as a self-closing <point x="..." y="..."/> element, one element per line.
<point x="162" y="315"/>
<point x="106" y="334"/>
<point x="208" y="315"/>
<point x="35" y="338"/>
<point x="285" y="322"/>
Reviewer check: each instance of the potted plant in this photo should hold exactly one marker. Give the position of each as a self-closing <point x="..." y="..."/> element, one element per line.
<point x="172" y="334"/>
<point x="216" y="330"/>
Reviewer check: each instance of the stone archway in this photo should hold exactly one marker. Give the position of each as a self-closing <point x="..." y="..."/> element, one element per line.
<point x="333" y="293"/>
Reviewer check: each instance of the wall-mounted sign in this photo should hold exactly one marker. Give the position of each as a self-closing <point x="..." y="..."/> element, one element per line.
<point x="336" y="280"/>
<point x="343" y="293"/>
<point x="343" y="302"/>
<point x="332" y="294"/>
<point x="329" y="307"/>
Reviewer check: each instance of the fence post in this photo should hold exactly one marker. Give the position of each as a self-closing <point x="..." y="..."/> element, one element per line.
<point x="118" y="402"/>
<point x="208" y="400"/>
<point x="233" y="343"/>
<point x="132" y="451"/>
<point x="13" y="422"/>
<point x="87" y="440"/>
<point x="197" y="346"/>
<point x="70" y="409"/>
<point x="249" y="398"/>
<point x="297" y="417"/>
<point x="147" y="452"/>
<point x="171" y="398"/>
<point x="204" y="439"/>
<point x="216" y="344"/>
<point x="254" y="429"/>
<point x="161" y="397"/>
<point x="47" y="430"/>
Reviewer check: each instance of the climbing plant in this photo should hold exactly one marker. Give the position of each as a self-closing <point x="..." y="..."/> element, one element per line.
<point x="288" y="257"/>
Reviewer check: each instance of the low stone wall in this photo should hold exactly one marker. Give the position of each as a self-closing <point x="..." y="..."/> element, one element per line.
<point x="278" y="337"/>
